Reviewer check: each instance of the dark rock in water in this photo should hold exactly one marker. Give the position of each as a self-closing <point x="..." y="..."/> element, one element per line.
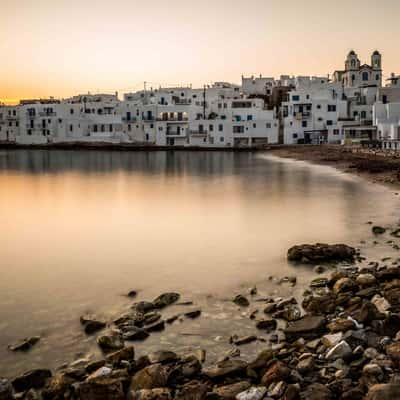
<point x="378" y="230"/>
<point x="35" y="379"/>
<point x="153" y="376"/>
<point x="156" y="327"/>
<point x="151" y="394"/>
<point x="151" y="318"/>
<point x="166" y="299"/>
<point x="92" y="325"/>
<point x="388" y="391"/>
<point x="289" y="313"/>
<point x="241" y="301"/>
<point x="320" y="252"/>
<point x="125" y="354"/>
<point x="308" y="327"/>
<point x="132" y="293"/>
<point x="266" y="324"/>
<point x="25" y="345"/>
<point x="112" y="341"/>
<point x="136" y="334"/>
<point x="144" y="306"/>
<point x="5" y="390"/>
<point x="317" y="391"/>
<point x="162" y="357"/>
<point x="225" y="368"/>
<point x="94" y="366"/>
<point x="101" y="389"/>
<point x="344" y="285"/>
<point x="238" y="341"/>
<point x="319" y="304"/>
<point x="172" y="319"/>
<point x="193" y="314"/>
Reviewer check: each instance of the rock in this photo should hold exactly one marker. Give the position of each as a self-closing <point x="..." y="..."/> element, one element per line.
<point x="132" y="293"/>
<point x="144" y="306"/>
<point x="25" y="345"/>
<point x="292" y="392"/>
<point x="306" y="365"/>
<point x="193" y="314"/>
<point x="393" y="351"/>
<point x="192" y="391"/>
<point x="290" y="313"/>
<point x="365" y="280"/>
<point x="156" y="327"/>
<point x="275" y="373"/>
<point x="5" y="390"/>
<point x="380" y="303"/>
<point x="378" y="230"/>
<point x="319" y="269"/>
<point x="166" y="299"/>
<point x="340" y="325"/>
<point x="320" y="252"/>
<point x="276" y="390"/>
<point x="125" y="354"/>
<point x="253" y="393"/>
<point x="229" y="392"/>
<point x="319" y="303"/>
<point x="308" y="327"/>
<point x="112" y="341"/>
<point x="238" y="341"/>
<point x="134" y="334"/>
<point x="241" y="301"/>
<point x="319" y="282"/>
<point x="162" y="357"/>
<point x="270" y="308"/>
<point x="266" y="324"/>
<point x="341" y="350"/>
<point x="101" y="389"/>
<point x="150" y="394"/>
<point x="368" y="313"/>
<point x="100" y="373"/>
<point x="225" y="368"/>
<point x="388" y="391"/>
<point x="372" y="370"/>
<point x="151" y="377"/>
<point x="390" y="326"/>
<point x="332" y="339"/>
<point x="317" y="391"/>
<point x="35" y="379"/>
<point x="344" y="285"/>
<point x="92" y="325"/>
<point x="151" y="318"/>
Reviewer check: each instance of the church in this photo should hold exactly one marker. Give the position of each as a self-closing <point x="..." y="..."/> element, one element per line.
<point x="356" y="75"/>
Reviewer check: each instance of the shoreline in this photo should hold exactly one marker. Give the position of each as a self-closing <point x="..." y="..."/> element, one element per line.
<point x="371" y="166"/>
<point x="340" y="341"/>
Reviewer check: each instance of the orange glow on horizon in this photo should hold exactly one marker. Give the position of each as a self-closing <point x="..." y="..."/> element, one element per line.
<point x="68" y="47"/>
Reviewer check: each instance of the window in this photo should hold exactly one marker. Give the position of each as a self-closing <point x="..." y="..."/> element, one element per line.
<point x="71" y="111"/>
<point x="384" y="99"/>
<point x="294" y="135"/>
<point x="102" y="128"/>
<point x="220" y="127"/>
<point x="268" y="125"/>
<point x="249" y="118"/>
<point x="331" y="107"/>
<point x="304" y="124"/>
<point x="221" y="139"/>
<point x="329" y="122"/>
<point x="363" y="114"/>
<point x="254" y="126"/>
<point x="365" y="76"/>
<point x="201" y="128"/>
<point x="319" y="106"/>
<point x="296" y="98"/>
<point x="111" y="128"/>
<point x="336" y="131"/>
<point x="129" y="127"/>
<point x="238" y="129"/>
<point x="147" y="136"/>
<point x="71" y="128"/>
<point x="377" y="77"/>
<point x="211" y="127"/>
<point x="151" y="126"/>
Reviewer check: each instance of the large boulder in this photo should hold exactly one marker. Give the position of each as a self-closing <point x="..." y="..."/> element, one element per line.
<point x="388" y="391"/>
<point x="151" y="377"/>
<point x="321" y="252"/>
<point x="166" y="299"/>
<point x="225" y="368"/>
<point x="125" y="354"/>
<point x="35" y="379"/>
<point x="111" y="341"/>
<point x="101" y="389"/>
<point x="308" y="327"/>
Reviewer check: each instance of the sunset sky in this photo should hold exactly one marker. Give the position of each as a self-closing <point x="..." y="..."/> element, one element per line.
<point x="62" y="47"/>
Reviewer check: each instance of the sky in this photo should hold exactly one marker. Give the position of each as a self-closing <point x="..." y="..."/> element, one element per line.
<point x="64" y="47"/>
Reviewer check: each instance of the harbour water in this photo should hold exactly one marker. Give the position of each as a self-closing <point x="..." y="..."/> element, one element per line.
<point x="79" y="229"/>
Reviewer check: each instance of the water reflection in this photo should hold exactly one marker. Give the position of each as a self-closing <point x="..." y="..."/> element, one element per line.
<point x="79" y="229"/>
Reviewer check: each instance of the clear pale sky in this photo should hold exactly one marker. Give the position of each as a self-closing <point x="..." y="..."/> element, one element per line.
<point x="62" y="47"/>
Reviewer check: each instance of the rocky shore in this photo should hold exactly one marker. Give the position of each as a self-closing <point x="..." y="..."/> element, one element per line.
<point x="342" y="341"/>
<point x="375" y="166"/>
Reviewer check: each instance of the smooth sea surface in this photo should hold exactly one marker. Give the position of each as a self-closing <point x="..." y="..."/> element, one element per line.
<point x="79" y="229"/>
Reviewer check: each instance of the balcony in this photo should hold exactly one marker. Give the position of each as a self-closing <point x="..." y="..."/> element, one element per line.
<point x="132" y="119"/>
<point x="47" y="114"/>
<point x="198" y="132"/>
<point x="183" y="119"/>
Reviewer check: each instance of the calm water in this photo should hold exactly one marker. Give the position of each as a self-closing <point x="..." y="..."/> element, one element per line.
<point x="80" y="229"/>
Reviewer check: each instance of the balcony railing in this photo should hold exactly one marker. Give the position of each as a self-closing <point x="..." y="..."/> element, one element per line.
<point x="47" y="114"/>
<point x="183" y="119"/>
<point x="198" y="132"/>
